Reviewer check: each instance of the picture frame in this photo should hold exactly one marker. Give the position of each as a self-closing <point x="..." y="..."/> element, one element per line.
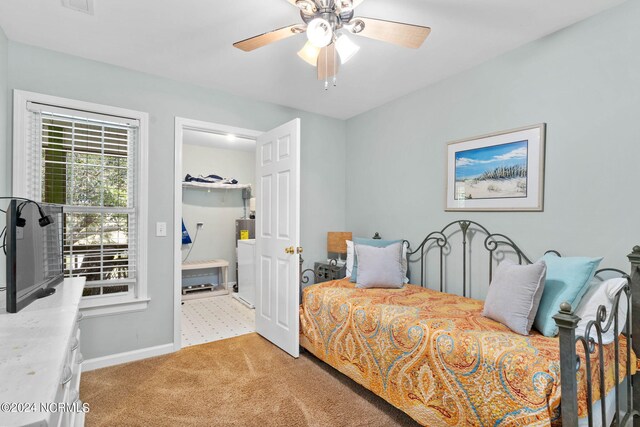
<point x="502" y="171"/>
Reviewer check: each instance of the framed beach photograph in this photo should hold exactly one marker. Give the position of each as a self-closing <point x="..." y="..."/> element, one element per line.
<point x="502" y="171"/>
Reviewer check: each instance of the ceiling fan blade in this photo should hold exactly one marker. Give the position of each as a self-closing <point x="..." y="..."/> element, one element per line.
<point x="328" y="62"/>
<point x="399" y="33"/>
<point x="273" y="36"/>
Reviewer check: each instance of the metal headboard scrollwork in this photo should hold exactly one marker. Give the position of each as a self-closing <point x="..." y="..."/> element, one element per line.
<point x="441" y="241"/>
<point x="307" y="274"/>
<point x="304" y="277"/>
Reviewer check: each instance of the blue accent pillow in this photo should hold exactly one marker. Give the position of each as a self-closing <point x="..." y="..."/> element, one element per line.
<point x="567" y="280"/>
<point x="378" y="243"/>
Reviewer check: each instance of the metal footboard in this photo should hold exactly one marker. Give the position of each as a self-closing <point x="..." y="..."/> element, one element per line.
<point x="570" y="362"/>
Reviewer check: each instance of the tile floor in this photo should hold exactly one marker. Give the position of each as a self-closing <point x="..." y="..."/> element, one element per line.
<point x="215" y="318"/>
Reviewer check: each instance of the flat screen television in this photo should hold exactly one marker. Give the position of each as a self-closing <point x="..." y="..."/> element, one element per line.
<point x="33" y="251"/>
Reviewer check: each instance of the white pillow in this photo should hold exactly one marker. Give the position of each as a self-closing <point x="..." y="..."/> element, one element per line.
<point x="379" y="267"/>
<point x="602" y="293"/>
<point x="350" y="257"/>
<point x="405" y="263"/>
<point x="514" y="294"/>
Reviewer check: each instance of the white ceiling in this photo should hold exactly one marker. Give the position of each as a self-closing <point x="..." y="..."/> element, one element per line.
<point x="191" y="41"/>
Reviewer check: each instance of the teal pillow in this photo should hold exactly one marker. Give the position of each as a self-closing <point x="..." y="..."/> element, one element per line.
<point x="567" y="280"/>
<point x="378" y="243"/>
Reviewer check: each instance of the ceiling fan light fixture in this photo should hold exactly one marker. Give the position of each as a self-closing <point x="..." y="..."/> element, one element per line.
<point x="319" y="32"/>
<point x="327" y="24"/>
<point x="346" y="48"/>
<point x="309" y="54"/>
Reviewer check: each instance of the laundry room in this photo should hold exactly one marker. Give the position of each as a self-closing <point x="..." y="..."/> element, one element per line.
<point x="218" y="236"/>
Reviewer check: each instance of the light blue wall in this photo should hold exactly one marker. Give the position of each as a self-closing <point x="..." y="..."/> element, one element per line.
<point x="322" y="147"/>
<point x="5" y="151"/>
<point x="583" y="81"/>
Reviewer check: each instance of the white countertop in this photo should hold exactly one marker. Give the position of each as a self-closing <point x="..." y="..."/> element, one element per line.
<point x="33" y="347"/>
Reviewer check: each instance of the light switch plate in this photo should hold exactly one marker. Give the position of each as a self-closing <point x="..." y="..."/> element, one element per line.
<point x="161" y="229"/>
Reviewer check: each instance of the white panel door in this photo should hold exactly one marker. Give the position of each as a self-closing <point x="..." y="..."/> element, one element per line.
<point x="278" y="235"/>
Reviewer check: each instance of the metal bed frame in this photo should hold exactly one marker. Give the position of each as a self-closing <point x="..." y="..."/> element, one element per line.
<point x="498" y="245"/>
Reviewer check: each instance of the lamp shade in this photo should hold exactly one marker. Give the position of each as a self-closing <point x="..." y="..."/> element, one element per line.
<point x="346" y="48"/>
<point x="309" y="53"/>
<point x="319" y="32"/>
<point x="337" y="241"/>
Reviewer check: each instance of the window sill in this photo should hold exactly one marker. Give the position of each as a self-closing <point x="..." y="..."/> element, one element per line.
<point x="108" y="306"/>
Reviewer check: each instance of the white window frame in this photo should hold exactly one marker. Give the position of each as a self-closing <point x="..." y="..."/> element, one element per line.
<point x="103" y="304"/>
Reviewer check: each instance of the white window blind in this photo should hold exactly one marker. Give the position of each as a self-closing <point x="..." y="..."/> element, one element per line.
<point x="87" y="162"/>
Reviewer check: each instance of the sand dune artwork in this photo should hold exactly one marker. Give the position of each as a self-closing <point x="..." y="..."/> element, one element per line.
<point x="501" y="171"/>
<point x="498" y="171"/>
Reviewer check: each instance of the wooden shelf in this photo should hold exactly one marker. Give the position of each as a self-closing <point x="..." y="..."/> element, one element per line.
<point x="216" y="186"/>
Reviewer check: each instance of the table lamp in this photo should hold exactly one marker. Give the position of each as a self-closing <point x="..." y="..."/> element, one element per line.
<point x="337" y="244"/>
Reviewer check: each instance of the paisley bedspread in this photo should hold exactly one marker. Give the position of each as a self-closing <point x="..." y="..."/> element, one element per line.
<point x="435" y="357"/>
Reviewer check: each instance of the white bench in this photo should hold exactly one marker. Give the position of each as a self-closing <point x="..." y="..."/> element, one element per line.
<point x="222" y="264"/>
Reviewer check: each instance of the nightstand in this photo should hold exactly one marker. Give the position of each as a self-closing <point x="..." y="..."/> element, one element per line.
<point x="325" y="271"/>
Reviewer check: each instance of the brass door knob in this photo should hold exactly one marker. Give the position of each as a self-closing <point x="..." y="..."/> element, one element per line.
<point x="299" y="249"/>
<point x="289" y="250"/>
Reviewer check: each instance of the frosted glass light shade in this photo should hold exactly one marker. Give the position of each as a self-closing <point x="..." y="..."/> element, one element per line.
<point x="346" y="48"/>
<point x="319" y="32"/>
<point x="309" y="53"/>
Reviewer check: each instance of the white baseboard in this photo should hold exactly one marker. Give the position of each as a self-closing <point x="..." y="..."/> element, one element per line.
<point x="126" y="357"/>
<point x="242" y="300"/>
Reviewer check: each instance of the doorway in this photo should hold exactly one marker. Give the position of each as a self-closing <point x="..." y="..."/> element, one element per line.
<point x="277" y="227"/>
<point x="215" y="182"/>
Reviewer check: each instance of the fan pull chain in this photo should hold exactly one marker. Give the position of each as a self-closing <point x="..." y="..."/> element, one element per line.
<point x="335" y="66"/>
<point x="326" y="68"/>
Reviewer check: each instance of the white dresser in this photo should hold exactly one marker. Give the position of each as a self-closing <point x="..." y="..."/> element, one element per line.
<point x="40" y="360"/>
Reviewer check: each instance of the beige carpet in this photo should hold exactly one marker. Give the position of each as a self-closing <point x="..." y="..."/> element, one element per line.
<point x="242" y="381"/>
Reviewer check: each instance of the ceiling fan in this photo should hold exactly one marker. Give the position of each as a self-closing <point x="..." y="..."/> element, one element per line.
<point x="326" y="22"/>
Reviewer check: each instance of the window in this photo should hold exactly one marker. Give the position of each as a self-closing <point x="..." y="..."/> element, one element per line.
<point x="89" y="158"/>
